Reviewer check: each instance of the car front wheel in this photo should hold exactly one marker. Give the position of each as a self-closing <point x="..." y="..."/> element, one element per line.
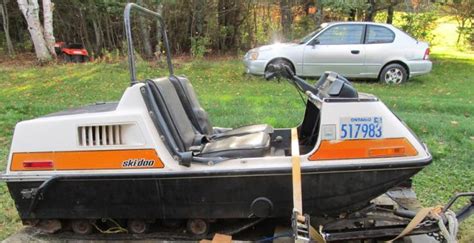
<point x="393" y="74"/>
<point x="278" y="62"/>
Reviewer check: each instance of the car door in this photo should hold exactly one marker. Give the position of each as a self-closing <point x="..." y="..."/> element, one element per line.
<point x="379" y="48"/>
<point x="339" y="49"/>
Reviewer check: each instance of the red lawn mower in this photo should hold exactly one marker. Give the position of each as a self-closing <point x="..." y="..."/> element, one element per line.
<point x="71" y="52"/>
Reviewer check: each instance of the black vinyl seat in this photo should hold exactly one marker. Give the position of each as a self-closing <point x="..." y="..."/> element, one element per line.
<point x="189" y="139"/>
<point x="200" y="118"/>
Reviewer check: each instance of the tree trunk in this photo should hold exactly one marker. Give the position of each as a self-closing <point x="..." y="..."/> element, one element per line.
<point x="108" y="34"/>
<point x="98" y="36"/>
<point x="369" y="16"/>
<point x="390" y="14"/>
<point x="265" y="17"/>
<point x="226" y="17"/>
<point x="30" y="10"/>
<point x="96" y="19"/>
<point x="319" y="13"/>
<point x="145" y="35"/>
<point x="4" y="13"/>
<point x="48" y="8"/>
<point x="158" y="46"/>
<point x="240" y="15"/>
<point x="85" y="35"/>
<point x="286" y="17"/>
<point x="253" y="27"/>
<point x="460" y="30"/>
<point x="199" y="17"/>
<point x="352" y="14"/>
<point x="221" y="12"/>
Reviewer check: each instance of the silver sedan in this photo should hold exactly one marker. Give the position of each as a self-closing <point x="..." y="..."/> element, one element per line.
<point x="353" y="49"/>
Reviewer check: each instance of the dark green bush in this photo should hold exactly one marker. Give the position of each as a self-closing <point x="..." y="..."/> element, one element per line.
<point x="420" y="25"/>
<point x="199" y="46"/>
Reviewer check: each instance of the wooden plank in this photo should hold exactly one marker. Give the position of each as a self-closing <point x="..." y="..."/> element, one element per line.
<point x="296" y="171"/>
<point x="218" y="238"/>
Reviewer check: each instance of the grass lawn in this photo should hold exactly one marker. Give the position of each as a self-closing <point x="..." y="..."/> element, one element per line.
<point x="438" y="107"/>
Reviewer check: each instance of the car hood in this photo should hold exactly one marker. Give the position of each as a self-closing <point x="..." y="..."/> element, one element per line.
<point x="275" y="46"/>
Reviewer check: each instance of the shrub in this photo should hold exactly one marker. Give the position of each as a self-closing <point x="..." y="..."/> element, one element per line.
<point x="199" y="46"/>
<point x="470" y="37"/>
<point x="107" y="56"/>
<point x="420" y="25"/>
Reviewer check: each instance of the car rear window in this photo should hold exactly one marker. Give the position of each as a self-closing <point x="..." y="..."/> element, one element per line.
<point x="379" y="34"/>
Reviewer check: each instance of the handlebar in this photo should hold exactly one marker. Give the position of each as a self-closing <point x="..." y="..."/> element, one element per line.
<point x="330" y="84"/>
<point x="286" y="72"/>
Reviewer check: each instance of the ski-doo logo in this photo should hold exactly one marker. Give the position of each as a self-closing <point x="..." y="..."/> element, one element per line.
<point x="138" y="163"/>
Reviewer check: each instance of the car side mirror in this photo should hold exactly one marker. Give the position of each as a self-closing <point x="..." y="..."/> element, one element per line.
<point x="315" y="42"/>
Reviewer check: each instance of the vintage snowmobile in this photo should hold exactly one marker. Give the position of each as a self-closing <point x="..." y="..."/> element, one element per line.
<point x="155" y="155"/>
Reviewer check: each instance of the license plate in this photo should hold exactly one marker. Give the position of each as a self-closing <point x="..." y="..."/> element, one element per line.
<point x="360" y="127"/>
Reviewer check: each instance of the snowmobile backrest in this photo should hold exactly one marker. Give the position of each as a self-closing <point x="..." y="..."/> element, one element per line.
<point x="156" y="101"/>
<point x="194" y="110"/>
<point x="174" y="113"/>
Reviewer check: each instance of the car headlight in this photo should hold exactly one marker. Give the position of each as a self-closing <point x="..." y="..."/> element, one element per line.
<point x="253" y="55"/>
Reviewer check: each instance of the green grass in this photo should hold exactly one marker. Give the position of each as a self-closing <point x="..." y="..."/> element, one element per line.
<point x="438" y="107"/>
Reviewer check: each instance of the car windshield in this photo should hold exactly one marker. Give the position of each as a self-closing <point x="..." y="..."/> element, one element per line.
<point x="308" y="37"/>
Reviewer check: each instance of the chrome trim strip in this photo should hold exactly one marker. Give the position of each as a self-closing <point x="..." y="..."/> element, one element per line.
<point x="316" y="169"/>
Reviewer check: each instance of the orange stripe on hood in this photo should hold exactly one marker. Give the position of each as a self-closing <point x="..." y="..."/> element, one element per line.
<point x="86" y="160"/>
<point x="363" y="148"/>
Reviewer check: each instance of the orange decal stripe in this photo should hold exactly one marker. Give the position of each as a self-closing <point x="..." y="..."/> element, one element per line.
<point x="88" y="160"/>
<point x="364" y="148"/>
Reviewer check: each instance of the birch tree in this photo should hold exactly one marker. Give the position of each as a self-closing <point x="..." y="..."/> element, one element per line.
<point x="48" y="26"/>
<point x="30" y="10"/>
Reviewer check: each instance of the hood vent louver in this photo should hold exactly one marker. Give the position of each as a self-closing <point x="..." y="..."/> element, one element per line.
<point x="100" y="135"/>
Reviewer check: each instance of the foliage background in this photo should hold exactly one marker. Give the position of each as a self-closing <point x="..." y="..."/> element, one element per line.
<point x="210" y="27"/>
